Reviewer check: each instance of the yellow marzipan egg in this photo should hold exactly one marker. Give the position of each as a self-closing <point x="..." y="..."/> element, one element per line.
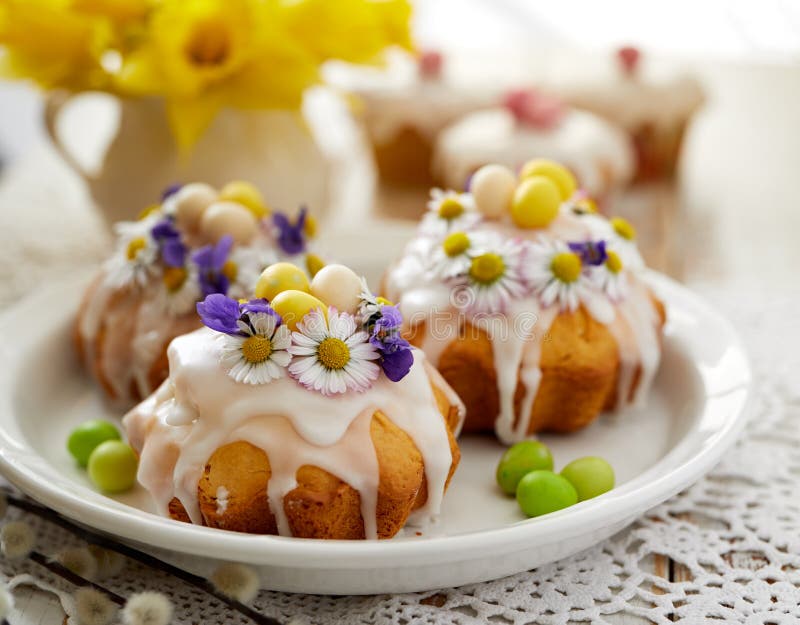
<point x="281" y="277"/>
<point x="535" y="203"/>
<point x="246" y="194"/>
<point x="559" y="174"/>
<point x="293" y="305"/>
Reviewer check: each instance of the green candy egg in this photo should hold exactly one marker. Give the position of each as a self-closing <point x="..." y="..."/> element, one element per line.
<point x="112" y="467"/>
<point x="591" y="476"/>
<point x="84" y="438"/>
<point x="542" y="492"/>
<point x="520" y="459"/>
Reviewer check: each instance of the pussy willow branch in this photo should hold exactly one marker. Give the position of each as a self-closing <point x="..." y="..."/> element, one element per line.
<point x="134" y="554"/>
<point x="72" y="577"/>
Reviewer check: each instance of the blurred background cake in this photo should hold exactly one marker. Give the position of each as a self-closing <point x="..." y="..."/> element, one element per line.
<point x="533" y="124"/>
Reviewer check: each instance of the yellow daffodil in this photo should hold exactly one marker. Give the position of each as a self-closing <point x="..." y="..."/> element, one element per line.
<point x="199" y="55"/>
<point x="52" y="45"/>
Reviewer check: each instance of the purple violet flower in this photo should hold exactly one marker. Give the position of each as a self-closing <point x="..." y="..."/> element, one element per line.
<point x="168" y="237"/>
<point x="396" y="354"/>
<point x="291" y="236"/>
<point x="224" y="314"/>
<point x="171" y="190"/>
<point x="591" y="252"/>
<point x="219" y="313"/>
<point x="210" y="261"/>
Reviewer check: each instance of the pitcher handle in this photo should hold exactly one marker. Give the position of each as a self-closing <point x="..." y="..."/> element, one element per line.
<point x="54" y="102"/>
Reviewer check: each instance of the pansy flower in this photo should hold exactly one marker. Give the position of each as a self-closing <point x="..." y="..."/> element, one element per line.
<point x="592" y="253"/>
<point x="334" y="356"/>
<point x="449" y="211"/>
<point x="395" y="351"/>
<point x="134" y="264"/>
<point x="292" y="235"/>
<point x="556" y="274"/>
<point x="214" y="271"/>
<point x="493" y="277"/>
<point x="170" y="244"/>
<point x="254" y="339"/>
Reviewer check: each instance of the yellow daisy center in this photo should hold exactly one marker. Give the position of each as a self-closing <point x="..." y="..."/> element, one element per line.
<point x="314" y="263"/>
<point x="134" y="247"/>
<point x="209" y="44"/>
<point x="456" y="244"/>
<point x="256" y="349"/>
<point x="586" y="205"/>
<point x="333" y="353"/>
<point x="148" y="210"/>
<point x="487" y="268"/>
<point x="230" y="270"/>
<point x="173" y="278"/>
<point x="623" y="228"/>
<point x="566" y="266"/>
<point x="613" y="262"/>
<point x="383" y="301"/>
<point x="450" y="208"/>
<point x="310" y="227"/>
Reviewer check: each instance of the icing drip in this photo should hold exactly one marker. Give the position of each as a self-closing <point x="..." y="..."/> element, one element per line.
<point x="200" y="409"/>
<point x="516" y="346"/>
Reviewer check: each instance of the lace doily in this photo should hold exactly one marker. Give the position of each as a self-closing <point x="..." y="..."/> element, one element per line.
<point x="734" y="537"/>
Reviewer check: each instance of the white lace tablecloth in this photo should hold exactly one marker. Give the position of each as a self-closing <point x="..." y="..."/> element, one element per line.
<point x="727" y="549"/>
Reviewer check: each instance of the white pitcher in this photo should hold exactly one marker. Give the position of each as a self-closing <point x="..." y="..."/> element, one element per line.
<point x="135" y="155"/>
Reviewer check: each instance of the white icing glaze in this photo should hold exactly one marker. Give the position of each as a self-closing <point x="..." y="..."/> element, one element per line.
<point x="136" y="325"/>
<point x="599" y="154"/>
<point x="516" y="343"/>
<point x="200" y="409"/>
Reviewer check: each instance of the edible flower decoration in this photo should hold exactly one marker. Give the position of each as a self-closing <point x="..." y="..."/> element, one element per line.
<point x="134" y="263"/>
<point x="171" y="247"/>
<point x="592" y="253"/>
<point x="212" y="263"/>
<point x="254" y="339"/>
<point x="383" y="322"/>
<point x="332" y="356"/>
<point x="449" y="211"/>
<point x="556" y="274"/>
<point x="292" y="235"/>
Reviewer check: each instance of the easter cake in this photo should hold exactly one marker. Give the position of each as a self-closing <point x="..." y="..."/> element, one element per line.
<point x="302" y="412"/>
<point x="531" y="304"/>
<point x="652" y="102"/>
<point x="195" y="241"/>
<point x="529" y="124"/>
<point x="404" y="106"/>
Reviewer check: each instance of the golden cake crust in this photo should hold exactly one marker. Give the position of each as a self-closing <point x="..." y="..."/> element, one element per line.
<point x="579" y="364"/>
<point x="321" y="505"/>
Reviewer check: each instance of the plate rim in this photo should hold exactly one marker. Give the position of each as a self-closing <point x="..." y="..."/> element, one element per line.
<point x="627" y="501"/>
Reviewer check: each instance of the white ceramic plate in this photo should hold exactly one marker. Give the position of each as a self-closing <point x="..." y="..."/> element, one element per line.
<point x="694" y="414"/>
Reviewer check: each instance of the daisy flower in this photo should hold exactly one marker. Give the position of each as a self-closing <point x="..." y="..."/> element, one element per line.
<point x="181" y="289"/>
<point x="332" y="357"/>
<point x="492" y="278"/>
<point x="610" y="278"/>
<point x="134" y="263"/>
<point x="449" y="211"/>
<point x="623" y="240"/>
<point x="254" y="339"/>
<point x="556" y="274"/>
<point x="371" y="304"/>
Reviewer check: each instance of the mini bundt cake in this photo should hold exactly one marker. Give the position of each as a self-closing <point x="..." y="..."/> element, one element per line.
<point x="196" y="241"/>
<point x="599" y="154"/>
<point x="531" y="304"/>
<point x="307" y="416"/>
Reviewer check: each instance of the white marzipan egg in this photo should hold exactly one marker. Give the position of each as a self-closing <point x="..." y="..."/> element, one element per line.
<point x="337" y="286"/>
<point x="223" y="218"/>
<point x="191" y="201"/>
<point x="492" y="188"/>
